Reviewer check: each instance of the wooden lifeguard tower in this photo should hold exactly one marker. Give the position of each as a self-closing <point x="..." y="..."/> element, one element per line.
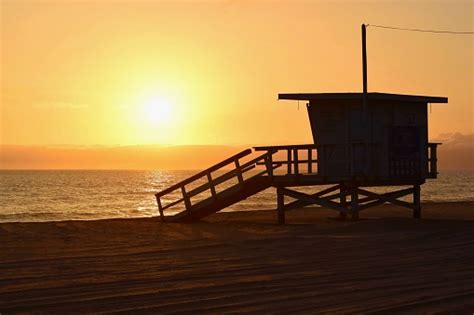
<point x="385" y="144"/>
<point x="361" y="140"/>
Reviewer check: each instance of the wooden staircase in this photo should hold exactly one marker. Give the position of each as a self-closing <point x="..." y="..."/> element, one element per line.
<point x="216" y="201"/>
<point x="223" y="200"/>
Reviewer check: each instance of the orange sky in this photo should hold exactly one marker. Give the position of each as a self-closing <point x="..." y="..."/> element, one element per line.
<point x="90" y="72"/>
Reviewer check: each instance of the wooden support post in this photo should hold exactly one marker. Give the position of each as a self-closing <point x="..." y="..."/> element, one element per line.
<point x="269" y="166"/>
<point x="343" y="200"/>
<point x="239" y="172"/>
<point x="354" y="204"/>
<point x="211" y="185"/>
<point x="187" y="202"/>
<point x="289" y="161"/>
<point x="433" y="161"/>
<point x="322" y="161"/>
<point x="280" y="206"/>
<point x="295" y="156"/>
<point x="351" y="158"/>
<point x="160" y="208"/>
<point x="310" y="161"/>
<point x="416" y="202"/>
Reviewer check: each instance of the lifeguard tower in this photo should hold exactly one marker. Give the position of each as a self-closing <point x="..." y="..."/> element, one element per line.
<point x="361" y="140"/>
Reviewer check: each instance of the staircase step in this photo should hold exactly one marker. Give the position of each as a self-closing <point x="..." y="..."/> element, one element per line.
<point x="223" y="199"/>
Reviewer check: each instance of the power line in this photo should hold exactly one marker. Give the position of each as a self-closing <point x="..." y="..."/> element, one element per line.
<point x="421" y="30"/>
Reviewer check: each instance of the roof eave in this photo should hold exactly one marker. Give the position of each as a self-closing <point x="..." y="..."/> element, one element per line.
<point x="358" y="96"/>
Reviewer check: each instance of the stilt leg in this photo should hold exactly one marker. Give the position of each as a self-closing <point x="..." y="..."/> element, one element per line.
<point x="280" y="207"/>
<point x="416" y="202"/>
<point x="354" y="204"/>
<point x="343" y="199"/>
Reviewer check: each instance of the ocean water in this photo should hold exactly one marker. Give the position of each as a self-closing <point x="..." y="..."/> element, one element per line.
<point x="30" y="196"/>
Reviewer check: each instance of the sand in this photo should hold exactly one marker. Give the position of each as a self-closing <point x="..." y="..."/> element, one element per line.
<point x="243" y="262"/>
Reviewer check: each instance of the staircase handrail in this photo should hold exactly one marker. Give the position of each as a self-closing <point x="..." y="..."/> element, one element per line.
<point x="211" y="183"/>
<point x="232" y="173"/>
<point x="204" y="173"/>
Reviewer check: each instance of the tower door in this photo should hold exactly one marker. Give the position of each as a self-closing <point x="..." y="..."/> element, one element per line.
<point x="404" y="152"/>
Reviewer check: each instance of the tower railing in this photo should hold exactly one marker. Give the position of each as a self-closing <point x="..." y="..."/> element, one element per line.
<point x="312" y="159"/>
<point x="433" y="159"/>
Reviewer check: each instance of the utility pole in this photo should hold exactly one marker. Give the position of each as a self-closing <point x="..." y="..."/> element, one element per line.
<point x="365" y="110"/>
<point x="364" y="70"/>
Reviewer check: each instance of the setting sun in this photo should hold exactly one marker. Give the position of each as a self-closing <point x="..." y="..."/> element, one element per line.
<point x="157" y="109"/>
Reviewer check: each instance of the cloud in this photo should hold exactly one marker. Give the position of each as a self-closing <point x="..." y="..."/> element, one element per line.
<point x="457" y="139"/>
<point x="113" y="157"/>
<point x="43" y="99"/>
<point x="456" y="151"/>
<point x="59" y="105"/>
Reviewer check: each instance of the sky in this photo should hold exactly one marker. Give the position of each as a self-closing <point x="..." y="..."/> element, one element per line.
<point x="122" y="73"/>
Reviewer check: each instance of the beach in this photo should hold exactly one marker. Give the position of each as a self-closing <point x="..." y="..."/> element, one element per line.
<point x="243" y="262"/>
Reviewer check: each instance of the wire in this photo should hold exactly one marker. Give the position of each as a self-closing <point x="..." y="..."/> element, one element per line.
<point x="421" y="30"/>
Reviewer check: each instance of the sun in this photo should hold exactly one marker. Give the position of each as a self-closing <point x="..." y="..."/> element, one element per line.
<point x="155" y="117"/>
<point x="157" y="109"/>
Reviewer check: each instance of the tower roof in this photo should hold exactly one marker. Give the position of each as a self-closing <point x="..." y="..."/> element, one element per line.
<point x="358" y="96"/>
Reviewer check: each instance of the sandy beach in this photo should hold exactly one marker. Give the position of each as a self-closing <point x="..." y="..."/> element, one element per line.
<point x="243" y="262"/>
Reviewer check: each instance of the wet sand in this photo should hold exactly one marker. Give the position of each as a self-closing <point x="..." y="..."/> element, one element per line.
<point x="386" y="262"/>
